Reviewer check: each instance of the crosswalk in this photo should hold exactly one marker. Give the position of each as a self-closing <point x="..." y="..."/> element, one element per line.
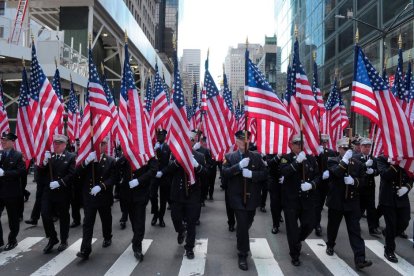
<point x="266" y="263"/>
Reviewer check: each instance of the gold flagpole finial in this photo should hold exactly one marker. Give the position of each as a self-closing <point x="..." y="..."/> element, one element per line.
<point x="31" y="35"/>
<point x="224" y="69"/>
<point x="385" y="62"/>
<point x="126" y="36"/>
<point x="56" y="64"/>
<point x="357" y="36"/>
<point x="102" y="68"/>
<point x="314" y="55"/>
<point x="247" y="42"/>
<point x="23" y="62"/>
<point x="296" y="31"/>
<point x="409" y="56"/>
<point x="400" y="42"/>
<point x="70" y="76"/>
<point x="208" y="52"/>
<point x="112" y="84"/>
<point x="336" y="72"/>
<point x="90" y="40"/>
<point x="174" y="41"/>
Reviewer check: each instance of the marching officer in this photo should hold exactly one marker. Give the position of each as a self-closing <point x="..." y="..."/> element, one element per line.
<point x="346" y="175"/>
<point x="211" y="167"/>
<point x="11" y="193"/>
<point x="323" y="187"/>
<point x="97" y="179"/>
<point x="301" y="177"/>
<point x="163" y="153"/>
<point x="244" y="169"/>
<point x="394" y="202"/>
<point x="185" y="198"/>
<point x="134" y="192"/>
<point x="56" y="175"/>
<point x="367" y="191"/>
<point x="275" y="190"/>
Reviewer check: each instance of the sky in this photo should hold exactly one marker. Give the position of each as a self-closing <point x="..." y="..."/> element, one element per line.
<point x="218" y="24"/>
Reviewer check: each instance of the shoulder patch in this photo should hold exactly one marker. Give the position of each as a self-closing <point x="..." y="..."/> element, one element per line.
<point x="283" y="161"/>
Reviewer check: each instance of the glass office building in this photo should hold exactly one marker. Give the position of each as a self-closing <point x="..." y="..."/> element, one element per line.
<point x="332" y="38"/>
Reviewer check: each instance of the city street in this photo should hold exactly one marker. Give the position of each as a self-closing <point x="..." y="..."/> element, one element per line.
<point x="215" y="251"/>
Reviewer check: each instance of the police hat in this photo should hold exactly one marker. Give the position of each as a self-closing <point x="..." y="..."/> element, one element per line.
<point x="366" y="141"/>
<point x="295" y="138"/>
<point x="241" y="134"/>
<point x="9" y="136"/>
<point x="60" y="138"/>
<point x="161" y="132"/>
<point x="324" y="137"/>
<point x="356" y="141"/>
<point x="343" y="142"/>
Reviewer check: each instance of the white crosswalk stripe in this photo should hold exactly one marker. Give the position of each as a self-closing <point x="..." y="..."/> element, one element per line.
<point x="23" y="246"/>
<point x="403" y="267"/>
<point x="333" y="263"/>
<point x="58" y="263"/>
<point x="195" y="266"/>
<point x="263" y="258"/>
<point x="126" y="263"/>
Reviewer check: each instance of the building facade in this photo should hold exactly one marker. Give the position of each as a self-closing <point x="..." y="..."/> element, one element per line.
<point x="190" y="71"/>
<point x="328" y="27"/>
<point x="144" y="12"/>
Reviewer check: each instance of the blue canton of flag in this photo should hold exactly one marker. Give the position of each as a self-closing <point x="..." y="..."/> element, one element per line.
<point x="227" y="94"/>
<point x="158" y="85"/>
<point x="37" y="77"/>
<point x="255" y="78"/>
<point x="334" y="97"/>
<point x="73" y="101"/>
<point x="409" y="84"/>
<point x="367" y="74"/>
<point x="24" y="91"/>
<point x="178" y="95"/>
<point x="56" y="85"/>
<point x="290" y="84"/>
<point x="399" y="89"/>
<point x="107" y="90"/>
<point x="148" y="94"/>
<point x="195" y="99"/>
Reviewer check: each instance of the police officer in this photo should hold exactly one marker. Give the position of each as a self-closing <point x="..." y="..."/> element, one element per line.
<point x="163" y="153"/>
<point x="367" y="191"/>
<point x="346" y="175"/>
<point x="11" y="168"/>
<point x="244" y="169"/>
<point x="134" y="192"/>
<point x="323" y="187"/>
<point x="301" y="177"/>
<point x="97" y="179"/>
<point x="394" y="202"/>
<point x="56" y="174"/>
<point x="185" y="198"/>
<point x="275" y="190"/>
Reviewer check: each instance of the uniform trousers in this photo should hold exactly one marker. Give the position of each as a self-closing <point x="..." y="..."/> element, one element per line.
<point x="89" y="223"/>
<point x="189" y="212"/>
<point x="51" y="207"/>
<point x="136" y="213"/>
<point x="244" y="222"/>
<point x="396" y="221"/>
<point x="12" y="208"/>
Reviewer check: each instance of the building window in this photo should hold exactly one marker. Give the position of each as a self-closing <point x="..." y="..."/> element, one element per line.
<point x="2" y="7"/>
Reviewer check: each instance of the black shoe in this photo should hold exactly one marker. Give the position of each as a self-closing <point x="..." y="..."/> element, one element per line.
<point x="189" y="254"/>
<point x="203" y="204"/>
<point x="54" y="219"/>
<point x="243" y="263"/>
<point x="154" y="220"/>
<point x="10" y="245"/>
<point x="31" y="221"/>
<point x="275" y="230"/>
<point x="329" y="251"/>
<point x="62" y="246"/>
<point x="52" y="242"/>
<point x="168" y="207"/>
<point x="295" y="261"/>
<point x="162" y="223"/>
<point x="181" y="237"/>
<point x="211" y="198"/>
<point x="197" y="222"/>
<point x="26" y="196"/>
<point x="83" y="255"/>
<point x="403" y="235"/>
<point x="231" y="228"/>
<point x="375" y="232"/>
<point x="74" y="224"/>
<point x="106" y="243"/>
<point x="123" y="225"/>
<point x="139" y="256"/>
<point x="363" y="264"/>
<point x="281" y="219"/>
<point x="263" y="209"/>
<point x="318" y="231"/>
<point x="391" y="257"/>
<point x="364" y="215"/>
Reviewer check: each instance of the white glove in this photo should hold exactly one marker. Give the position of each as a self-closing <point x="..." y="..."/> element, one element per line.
<point x="157" y="146"/>
<point x="369" y="163"/>
<point x="370" y="171"/>
<point x="95" y="190"/>
<point x="133" y="183"/>
<point x="197" y="146"/>
<point x="91" y="157"/>
<point x="348" y="180"/>
<point x="116" y="159"/>
<point x="247" y="173"/>
<point x="402" y="191"/>
<point x="47" y="157"/>
<point x="325" y="175"/>
<point x="53" y="185"/>
<point x="306" y="186"/>
<point x="1" y="172"/>
<point x="281" y="179"/>
<point x="392" y="162"/>
<point x="159" y="174"/>
<point x="244" y="162"/>
<point x="194" y="162"/>
<point x="301" y="156"/>
<point x="347" y="156"/>
<point x="320" y="149"/>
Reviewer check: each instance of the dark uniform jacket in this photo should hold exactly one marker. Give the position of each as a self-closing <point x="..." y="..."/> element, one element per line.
<point x="163" y="156"/>
<point x="322" y="160"/>
<point x="294" y="173"/>
<point x="139" y="194"/>
<point x="63" y="170"/>
<point x="235" y="180"/>
<point x="339" y="197"/>
<point x="14" y="167"/>
<point x="273" y="162"/>
<point x="105" y="177"/>
<point x="180" y="180"/>
<point x="368" y="186"/>
<point x="393" y="178"/>
<point x="210" y="162"/>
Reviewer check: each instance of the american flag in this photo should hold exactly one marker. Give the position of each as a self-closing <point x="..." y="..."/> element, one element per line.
<point x="203" y="97"/>
<point x="58" y="90"/>
<point x="166" y="89"/>
<point x="229" y="104"/>
<point x="74" y="119"/>
<point x="148" y="99"/>
<point x="24" y="142"/>
<point x="317" y="90"/>
<point x="177" y="137"/>
<point x="371" y="97"/>
<point x="134" y="132"/>
<point x="160" y="108"/>
<point x="407" y="101"/>
<point x="220" y="136"/>
<point x="114" y="111"/>
<point x="195" y="114"/>
<point x="46" y="109"/>
<point x="4" y="120"/>
<point x="299" y="98"/>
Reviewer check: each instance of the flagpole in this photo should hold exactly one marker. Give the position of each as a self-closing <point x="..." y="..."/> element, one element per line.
<point x="315" y="68"/>
<point x="91" y="123"/>
<point x="246" y="149"/>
